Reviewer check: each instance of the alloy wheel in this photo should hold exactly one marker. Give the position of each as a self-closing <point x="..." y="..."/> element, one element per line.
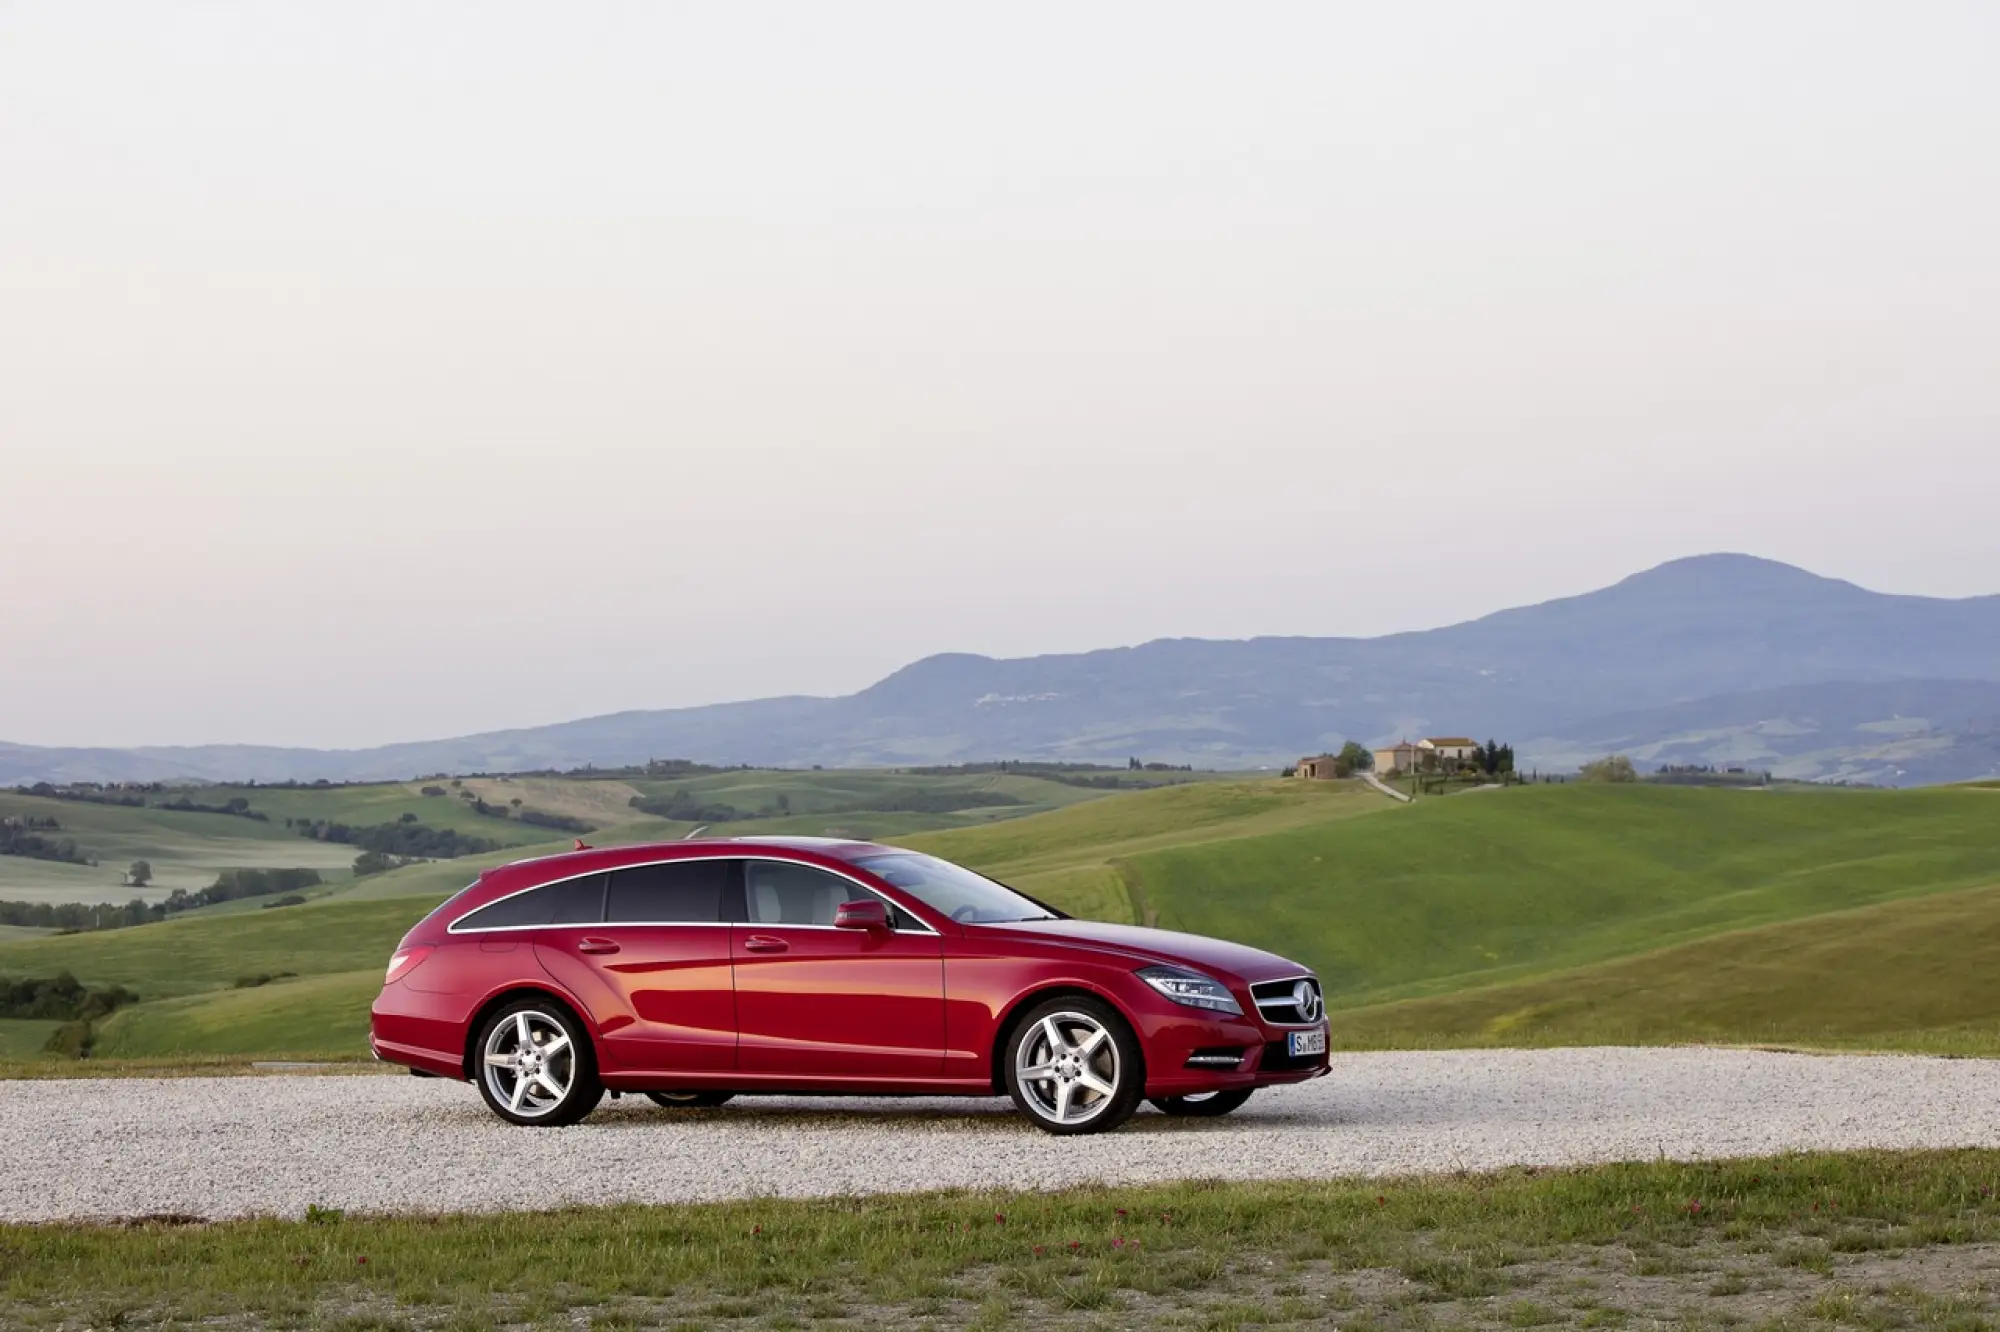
<point x="1068" y="1068"/>
<point x="529" y="1064"/>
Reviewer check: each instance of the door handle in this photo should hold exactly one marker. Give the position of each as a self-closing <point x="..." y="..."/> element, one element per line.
<point x="592" y="944"/>
<point x="765" y="943"/>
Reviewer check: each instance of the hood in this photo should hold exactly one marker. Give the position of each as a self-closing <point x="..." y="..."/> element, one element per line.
<point x="1150" y="945"/>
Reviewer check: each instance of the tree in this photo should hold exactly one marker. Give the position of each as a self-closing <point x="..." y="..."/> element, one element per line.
<point x="1353" y="758"/>
<point x="1615" y="768"/>
<point x="140" y="874"/>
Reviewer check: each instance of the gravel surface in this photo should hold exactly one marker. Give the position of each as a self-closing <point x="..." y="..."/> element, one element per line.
<point x="218" y="1147"/>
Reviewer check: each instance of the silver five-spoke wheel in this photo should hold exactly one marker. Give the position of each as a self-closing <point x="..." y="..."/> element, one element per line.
<point x="1074" y="1067"/>
<point x="534" y="1067"/>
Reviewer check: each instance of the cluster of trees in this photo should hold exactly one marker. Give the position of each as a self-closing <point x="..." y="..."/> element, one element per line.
<point x="408" y="839"/>
<point x="61" y="998"/>
<point x="236" y="806"/>
<point x="25" y="837"/>
<point x="1612" y="768"/>
<point x="375" y="862"/>
<point x="689" y="808"/>
<point x="141" y="795"/>
<point x="1090" y="776"/>
<point x="1493" y="759"/>
<point x="1019" y="767"/>
<point x="517" y="812"/>
<point x="229" y="886"/>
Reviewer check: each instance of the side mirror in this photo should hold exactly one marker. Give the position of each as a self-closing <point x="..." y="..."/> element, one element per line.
<point x="863" y="915"/>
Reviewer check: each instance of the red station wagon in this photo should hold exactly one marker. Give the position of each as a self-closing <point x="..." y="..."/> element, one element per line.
<point x="697" y="971"/>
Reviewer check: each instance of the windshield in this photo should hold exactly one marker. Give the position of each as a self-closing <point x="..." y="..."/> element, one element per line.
<point x="952" y="890"/>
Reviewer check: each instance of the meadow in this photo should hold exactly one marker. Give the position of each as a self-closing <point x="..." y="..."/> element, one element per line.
<point x="1533" y="915"/>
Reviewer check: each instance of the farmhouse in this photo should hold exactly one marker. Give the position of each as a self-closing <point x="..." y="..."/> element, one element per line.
<point x="1319" y="768"/>
<point x="1400" y="757"/>
<point x="1451" y="750"/>
<point x="1439" y="753"/>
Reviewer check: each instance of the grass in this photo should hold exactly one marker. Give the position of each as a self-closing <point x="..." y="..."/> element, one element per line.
<point x="1538" y="915"/>
<point x="185" y="850"/>
<point x="384" y="802"/>
<point x="1078" y="859"/>
<point x="1919" y="975"/>
<point x="313" y="1017"/>
<point x="23" y="1038"/>
<point x="182" y="957"/>
<point x="1509" y="885"/>
<point x="1880" y="1240"/>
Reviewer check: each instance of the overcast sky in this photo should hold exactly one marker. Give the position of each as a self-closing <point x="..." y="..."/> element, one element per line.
<point x="388" y="371"/>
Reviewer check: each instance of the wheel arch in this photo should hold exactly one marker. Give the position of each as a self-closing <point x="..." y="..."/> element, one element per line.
<point x="501" y="998"/>
<point x="1010" y="1020"/>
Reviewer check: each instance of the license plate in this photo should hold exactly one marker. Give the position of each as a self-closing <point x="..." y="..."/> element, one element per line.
<point x="1305" y="1042"/>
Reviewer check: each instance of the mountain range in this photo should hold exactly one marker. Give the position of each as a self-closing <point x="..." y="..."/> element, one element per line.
<point x="1724" y="659"/>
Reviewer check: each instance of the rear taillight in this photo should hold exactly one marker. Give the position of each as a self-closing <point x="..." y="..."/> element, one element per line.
<point x="406" y="959"/>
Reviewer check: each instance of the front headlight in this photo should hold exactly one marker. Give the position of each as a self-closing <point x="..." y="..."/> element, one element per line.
<point x="1192" y="988"/>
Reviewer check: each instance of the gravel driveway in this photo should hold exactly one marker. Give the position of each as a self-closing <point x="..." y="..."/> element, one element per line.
<point x="273" y="1144"/>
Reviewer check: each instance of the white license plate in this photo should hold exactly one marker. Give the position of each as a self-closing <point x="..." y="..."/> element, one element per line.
<point x="1305" y="1042"/>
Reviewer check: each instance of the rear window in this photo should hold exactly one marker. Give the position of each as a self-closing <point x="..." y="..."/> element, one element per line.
<point x="678" y="893"/>
<point x="570" y="902"/>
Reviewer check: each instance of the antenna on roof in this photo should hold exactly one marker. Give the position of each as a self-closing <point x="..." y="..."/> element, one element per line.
<point x="695" y="832"/>
<point x="582" y="845"/>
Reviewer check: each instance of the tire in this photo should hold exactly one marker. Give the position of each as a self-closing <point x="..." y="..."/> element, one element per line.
<point x="1099" y="1060"/>
<point x="690" y="1100"/>
<point x="561" y="1088"/>
<point x="1202" y="1105"/>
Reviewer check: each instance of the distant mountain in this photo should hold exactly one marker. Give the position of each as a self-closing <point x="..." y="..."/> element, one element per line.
<point x="1685" y="634"/>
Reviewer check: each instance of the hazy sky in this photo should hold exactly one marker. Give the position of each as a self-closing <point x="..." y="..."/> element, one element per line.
<point x="386" y="371"/>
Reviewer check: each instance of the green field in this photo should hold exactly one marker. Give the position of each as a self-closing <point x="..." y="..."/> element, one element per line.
<point x="1904" y="975"/>
<point x="1500" y="885"/>
<point x="1534" y="915"/>
<point x="185" y="850"/>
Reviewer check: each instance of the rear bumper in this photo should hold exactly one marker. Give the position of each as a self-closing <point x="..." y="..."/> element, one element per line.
<point x="418" y="1030"/>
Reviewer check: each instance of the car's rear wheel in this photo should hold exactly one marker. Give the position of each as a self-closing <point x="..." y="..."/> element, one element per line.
<point x="690" y="1100"/>
<point x="536" y="1065"/>
<point x="1074" y="1066"/>
<point x="1202" y="1105"/>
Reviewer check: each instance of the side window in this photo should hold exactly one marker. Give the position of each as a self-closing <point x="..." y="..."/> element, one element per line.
<point x="688" y="890"/>
<point x="780" y="893"/>
<point x="571" y="902"/>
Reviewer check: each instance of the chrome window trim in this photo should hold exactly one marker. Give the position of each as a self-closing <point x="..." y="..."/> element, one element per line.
<point x="924" y="926"/>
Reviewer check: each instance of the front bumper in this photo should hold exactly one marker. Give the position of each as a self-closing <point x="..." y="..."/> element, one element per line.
<point x="1185" y="1054"/>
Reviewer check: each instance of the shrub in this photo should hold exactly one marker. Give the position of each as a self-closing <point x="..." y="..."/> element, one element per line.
<point x="1616" y="768"/>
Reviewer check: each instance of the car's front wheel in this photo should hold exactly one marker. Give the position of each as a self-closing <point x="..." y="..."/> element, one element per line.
<point x="1074" y="1066"/>
<point x="536" y="1065"/>
<point x="1201" y="1105"/>
<point x="690" y="1100"/>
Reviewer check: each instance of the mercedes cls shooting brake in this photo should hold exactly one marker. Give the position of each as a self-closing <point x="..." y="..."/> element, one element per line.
<point x="694" y="972"/>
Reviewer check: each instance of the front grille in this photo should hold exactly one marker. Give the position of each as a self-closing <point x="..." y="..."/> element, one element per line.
<point x="1277" y="1001"/>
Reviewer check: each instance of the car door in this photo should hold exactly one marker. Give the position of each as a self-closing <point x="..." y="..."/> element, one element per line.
<point x="815" y="1001"/>
<point x="655" y="971"/>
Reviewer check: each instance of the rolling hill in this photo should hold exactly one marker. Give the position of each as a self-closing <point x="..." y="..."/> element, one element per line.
<point x="1712" y="627"/>
<point x="1550" y="914"/>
